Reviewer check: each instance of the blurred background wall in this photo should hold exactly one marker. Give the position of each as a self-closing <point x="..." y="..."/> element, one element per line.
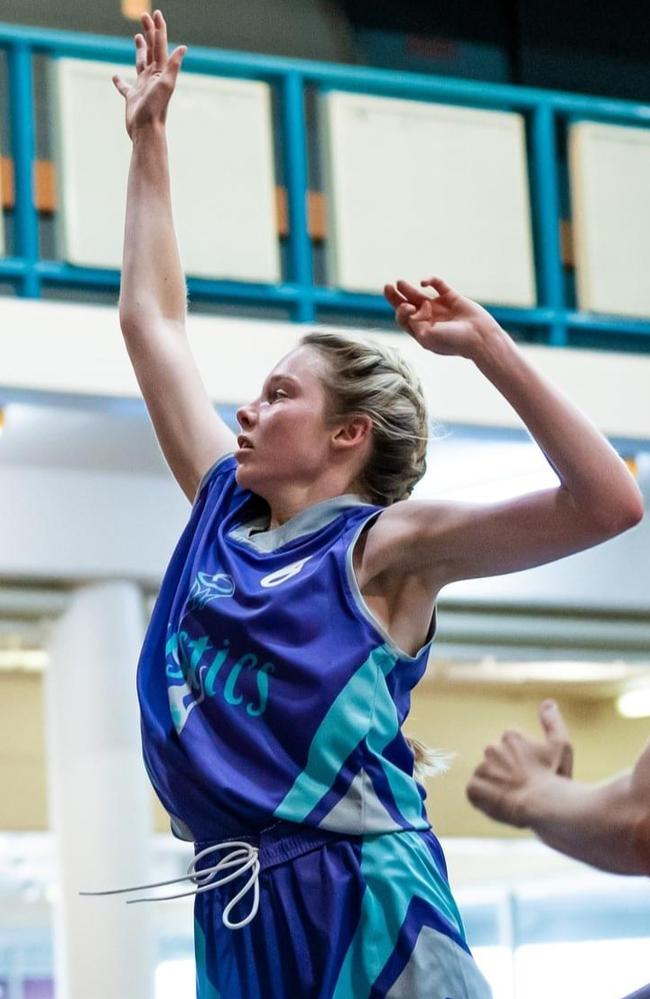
<point x="81" y="473"/>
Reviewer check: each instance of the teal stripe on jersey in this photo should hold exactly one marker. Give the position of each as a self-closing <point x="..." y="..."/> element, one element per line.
<point x="396" y="868"/>
<point x="384" y="728"/>
<point x="344" y="726"/>
<point x="204" y="987"/>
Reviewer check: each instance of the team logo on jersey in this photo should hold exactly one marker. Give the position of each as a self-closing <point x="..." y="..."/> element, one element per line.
<point x="207" y="588"/>
<point x="196" y="670"/>
<point x="281" y="575"/>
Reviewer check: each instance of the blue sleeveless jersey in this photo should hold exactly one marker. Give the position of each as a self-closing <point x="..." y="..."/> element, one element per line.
<point x="268" y="690"/>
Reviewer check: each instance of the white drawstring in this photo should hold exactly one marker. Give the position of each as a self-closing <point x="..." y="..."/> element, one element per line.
<point x="249" y="856"/>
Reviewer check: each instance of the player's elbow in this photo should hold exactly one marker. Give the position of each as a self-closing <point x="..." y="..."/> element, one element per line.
<point x="634" y="513"/>
<point x="624" y="518"/>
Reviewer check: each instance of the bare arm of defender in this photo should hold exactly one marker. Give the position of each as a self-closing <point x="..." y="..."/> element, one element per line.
<point x="528" y="783"/>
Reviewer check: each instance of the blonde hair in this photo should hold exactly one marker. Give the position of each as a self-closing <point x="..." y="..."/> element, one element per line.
<point x="370" y="378"/>
<point x="366" y="377"/>
<point x="428" y="762"/>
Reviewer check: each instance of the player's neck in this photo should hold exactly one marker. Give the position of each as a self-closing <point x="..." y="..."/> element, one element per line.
<point x="289" y="501"/>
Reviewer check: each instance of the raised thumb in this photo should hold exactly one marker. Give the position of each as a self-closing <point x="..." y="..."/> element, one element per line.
<point x="554" y="725"/>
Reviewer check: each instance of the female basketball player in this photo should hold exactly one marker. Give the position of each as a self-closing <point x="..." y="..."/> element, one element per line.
<point x="297" y="611"/>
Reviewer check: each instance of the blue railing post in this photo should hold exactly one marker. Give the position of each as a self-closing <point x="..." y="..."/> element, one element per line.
<point x="21" y="108"/>
<point x="546" y="213"/>
<point x="297" y="183"/>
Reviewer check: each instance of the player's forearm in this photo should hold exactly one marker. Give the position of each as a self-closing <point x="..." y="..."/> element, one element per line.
<point x="586" y="464"/>
<point x="604" y="825"/>
<point x="153" y="285"/>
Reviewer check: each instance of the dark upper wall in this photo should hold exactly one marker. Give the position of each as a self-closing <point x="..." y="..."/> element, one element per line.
<point x="586" y="46"/>
<point x="311" y="29"/>
<point x="575" y="45"/>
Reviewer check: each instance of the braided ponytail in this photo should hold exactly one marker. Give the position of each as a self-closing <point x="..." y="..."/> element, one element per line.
<point x="367" y="377"/>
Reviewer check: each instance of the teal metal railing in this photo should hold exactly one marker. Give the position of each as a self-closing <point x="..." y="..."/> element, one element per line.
<point x="546" y="112"/>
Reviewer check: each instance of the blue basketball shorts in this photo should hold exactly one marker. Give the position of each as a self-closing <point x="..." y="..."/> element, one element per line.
<point x="335" y="917"/>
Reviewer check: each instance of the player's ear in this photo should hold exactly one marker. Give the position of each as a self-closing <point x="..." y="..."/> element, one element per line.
<point x="353" y="432"/>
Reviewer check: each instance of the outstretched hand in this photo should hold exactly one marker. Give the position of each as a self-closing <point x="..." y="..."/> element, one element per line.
<point x="512" y="776"/>
<point x="147" y="100"/>
<point x="447" y="324"/>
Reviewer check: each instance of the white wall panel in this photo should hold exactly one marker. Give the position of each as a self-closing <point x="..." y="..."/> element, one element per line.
<point x="610" y="193"/>
<point x="55" y="348"/>
<point x="73" y="526"/>
<point x="79" y="526"/>
<point x="416" y="188"/>
<point x="221" y="156"/>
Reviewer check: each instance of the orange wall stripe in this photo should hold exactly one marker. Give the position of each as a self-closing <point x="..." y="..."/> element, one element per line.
<point x="46" y="201"/>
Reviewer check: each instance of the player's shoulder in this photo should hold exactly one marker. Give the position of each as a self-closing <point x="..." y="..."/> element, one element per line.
<point x="398" y="522"/>
<point x="395" y="538"/>
<point x="380" y="542"/>
<point x="222" y="468"/>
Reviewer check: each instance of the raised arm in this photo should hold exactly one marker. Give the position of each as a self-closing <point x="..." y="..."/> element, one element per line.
<point x="596" y="499"/>
<point x="152" y="294"/>
<point x="527" y="783"/>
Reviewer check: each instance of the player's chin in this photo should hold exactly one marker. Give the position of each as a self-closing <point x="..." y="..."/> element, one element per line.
<point x="244" y="475"/>
<point x="243" y="456"/>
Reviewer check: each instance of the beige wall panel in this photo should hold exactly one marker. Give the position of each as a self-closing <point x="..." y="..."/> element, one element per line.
<point x="23" y="802"/>
<point x="38" y="339"/>
<point x="609" y="167"/>
<point x="466" y="722"/>
<point x="221" y="161"/>
<point x="462" y="721"/>
<point x="415" y="188"/>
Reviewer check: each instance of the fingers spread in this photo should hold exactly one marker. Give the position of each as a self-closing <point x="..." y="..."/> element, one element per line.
<point x="440" y="286"/>
<point x="492" y="753"/>
<point x="179" y="53"/>
<point x="404" y="313"/>
<point x="148" y="29"/>
<point x="140" y="53"/>
<point x="405" y="309"/>
<point x="120" y="85"/>
<point x="485" y="769"/>
<point x="393" y="296"/>
<point x="160" y="40"/>
<point x="411" y="293"/>
<point x="174" y="62"/>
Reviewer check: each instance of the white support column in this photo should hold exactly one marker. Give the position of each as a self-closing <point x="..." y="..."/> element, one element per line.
<point x="99" y="802"/>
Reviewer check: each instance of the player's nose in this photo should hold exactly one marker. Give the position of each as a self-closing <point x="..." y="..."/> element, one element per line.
<point x="245" y="416"/>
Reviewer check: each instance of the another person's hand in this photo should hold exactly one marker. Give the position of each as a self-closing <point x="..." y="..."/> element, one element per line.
<point x="147" y="100"/>
<point x="448" y="324"/>
<point x="513" y="774"/>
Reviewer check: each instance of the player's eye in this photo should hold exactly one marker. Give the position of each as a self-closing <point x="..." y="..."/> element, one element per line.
<point x="278" y="393"/>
